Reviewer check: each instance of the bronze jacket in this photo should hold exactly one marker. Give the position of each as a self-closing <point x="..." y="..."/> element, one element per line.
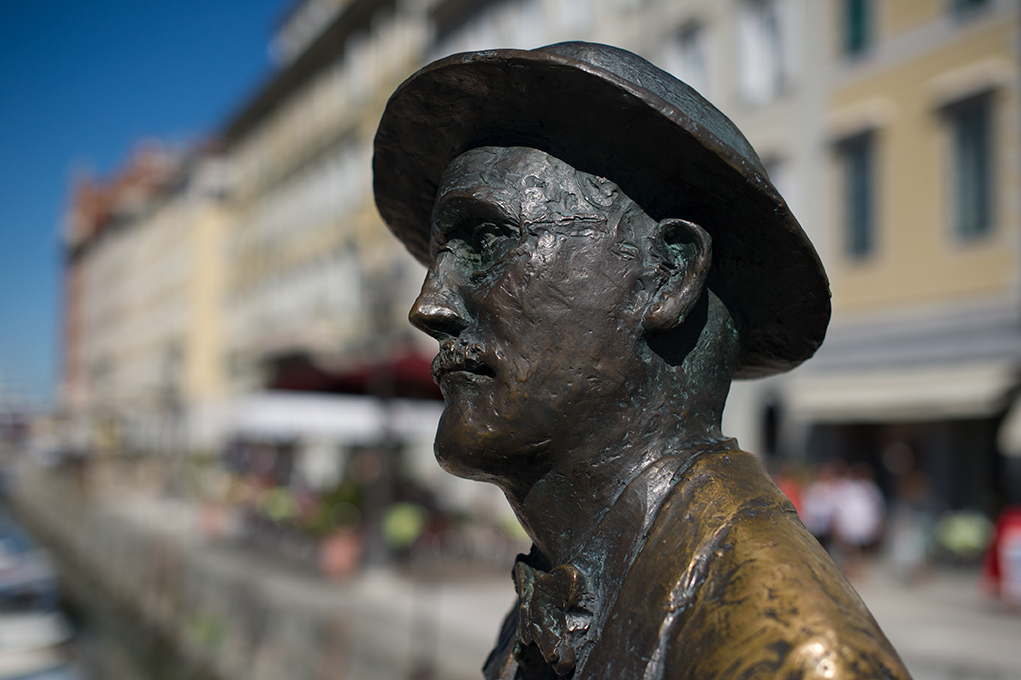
<point x="721" y="581"/>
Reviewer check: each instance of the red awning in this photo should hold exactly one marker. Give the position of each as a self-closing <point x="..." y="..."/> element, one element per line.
<point x="406" y="374"/>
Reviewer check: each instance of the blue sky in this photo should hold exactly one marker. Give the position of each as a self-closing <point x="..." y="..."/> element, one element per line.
<point x="80" y="84"/>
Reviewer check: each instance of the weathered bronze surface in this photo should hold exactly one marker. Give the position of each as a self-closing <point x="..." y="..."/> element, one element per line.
<point x="605" y="254"/>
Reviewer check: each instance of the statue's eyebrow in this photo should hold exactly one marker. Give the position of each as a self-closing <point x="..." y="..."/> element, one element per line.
<point x="575" y="220"/>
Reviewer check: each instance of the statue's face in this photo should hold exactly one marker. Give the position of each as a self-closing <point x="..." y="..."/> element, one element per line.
<point x="536" y="302"/>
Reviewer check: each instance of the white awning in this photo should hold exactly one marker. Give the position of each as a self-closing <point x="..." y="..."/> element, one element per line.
<point x="911" y="393"/>
<point x="352" y="419"/>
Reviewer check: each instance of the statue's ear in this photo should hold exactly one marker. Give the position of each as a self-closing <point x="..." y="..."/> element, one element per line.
<point x="683" y="254"/>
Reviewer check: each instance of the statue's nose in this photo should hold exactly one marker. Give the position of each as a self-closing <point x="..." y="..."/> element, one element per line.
<point x="439" y="309"/>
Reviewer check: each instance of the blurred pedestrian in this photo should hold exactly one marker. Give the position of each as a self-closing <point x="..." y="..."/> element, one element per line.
<point x="858" y="517"/>
<point x="911" y="526"/>
<point x="817" y="502"/>
<point x="1002" y="572"/>
<point x="788" y="481"/>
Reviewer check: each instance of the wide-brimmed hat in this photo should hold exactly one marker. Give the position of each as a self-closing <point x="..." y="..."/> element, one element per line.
<point x="611" y="113"/>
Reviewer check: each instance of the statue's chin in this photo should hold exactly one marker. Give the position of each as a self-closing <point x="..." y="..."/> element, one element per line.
<point x="463" y="452"/>
<point x="472" y="446"/>
<point x="456" y="434"/>
<point x="453" y="451"/>
<point x="457" y="466"/>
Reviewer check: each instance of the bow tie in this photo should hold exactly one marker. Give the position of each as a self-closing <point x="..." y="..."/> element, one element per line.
<point x="555" y="613"/>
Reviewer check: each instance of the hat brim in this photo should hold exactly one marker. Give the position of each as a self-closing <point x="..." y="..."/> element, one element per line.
<point x="674" y="154"/>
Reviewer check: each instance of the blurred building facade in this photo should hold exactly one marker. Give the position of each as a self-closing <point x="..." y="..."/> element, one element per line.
<point x="143" y="292"/>
<point x="317" y="294"/>
<point x="890" y="126"/>
<point x="919" y="192"/>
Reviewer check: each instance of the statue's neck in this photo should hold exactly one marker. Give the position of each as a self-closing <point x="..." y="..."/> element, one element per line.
<point x="562" y="510"/>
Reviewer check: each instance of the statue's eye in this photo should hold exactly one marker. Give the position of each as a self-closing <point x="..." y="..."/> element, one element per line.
<point x="490" y="241"/>
<point x="480" y="245"/>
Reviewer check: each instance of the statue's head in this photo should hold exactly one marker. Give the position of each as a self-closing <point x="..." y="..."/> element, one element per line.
<point x="599" y="239"/>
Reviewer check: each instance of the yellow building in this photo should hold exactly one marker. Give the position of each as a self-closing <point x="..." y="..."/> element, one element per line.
<point x="922" y="243"/>
<point x="142" y="368"/>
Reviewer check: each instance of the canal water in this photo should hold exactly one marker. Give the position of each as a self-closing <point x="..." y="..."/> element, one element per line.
<point x="57" y="625"/>
<point x="37" y="636"/>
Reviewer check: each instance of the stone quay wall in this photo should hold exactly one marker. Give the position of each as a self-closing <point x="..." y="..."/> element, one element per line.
<point x="163" y="604"/>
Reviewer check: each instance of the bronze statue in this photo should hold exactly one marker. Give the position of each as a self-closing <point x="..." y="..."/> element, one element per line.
<point x="605" y="254"/>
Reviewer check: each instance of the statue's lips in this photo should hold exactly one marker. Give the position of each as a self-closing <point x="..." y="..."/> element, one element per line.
<point x="457" y="364"/>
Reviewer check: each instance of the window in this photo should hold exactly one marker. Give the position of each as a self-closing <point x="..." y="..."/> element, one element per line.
<point x="971" y="141"/>
<point x="965" y="6"/>
<point x="685" y="57"/>
<point x="856" y="26"/>
<point x="857" y="161"/>
<point x="761" y="73"/>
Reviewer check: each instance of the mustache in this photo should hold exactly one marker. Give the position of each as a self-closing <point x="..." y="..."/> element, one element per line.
<point x="460" y="356"/>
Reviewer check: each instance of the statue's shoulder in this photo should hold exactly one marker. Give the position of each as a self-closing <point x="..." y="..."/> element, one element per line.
<point x="730" y="584"/>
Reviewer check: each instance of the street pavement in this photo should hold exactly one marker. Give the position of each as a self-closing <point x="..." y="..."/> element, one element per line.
<point x="944" y="626"/>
